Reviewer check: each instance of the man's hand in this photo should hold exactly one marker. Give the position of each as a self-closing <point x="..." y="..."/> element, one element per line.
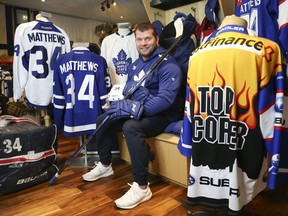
<point x="106" y="105"/>
<point x="140" y="94"/>
<point x="125" y="109"/>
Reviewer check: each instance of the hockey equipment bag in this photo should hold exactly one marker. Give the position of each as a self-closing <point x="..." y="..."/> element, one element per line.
<point x="3" y="104"/>
<point x="27" y="155"/>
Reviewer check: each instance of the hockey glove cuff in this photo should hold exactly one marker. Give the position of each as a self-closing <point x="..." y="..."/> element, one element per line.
<point x="125" y="109"/>
<point x="140" y="94"/>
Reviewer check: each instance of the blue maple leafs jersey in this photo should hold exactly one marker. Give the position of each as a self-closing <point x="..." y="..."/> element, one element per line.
<point x="81" y="86"/>
<point x="233" y="117"/>
<point x="267" y="18"/>
<point x="37" y="45"/>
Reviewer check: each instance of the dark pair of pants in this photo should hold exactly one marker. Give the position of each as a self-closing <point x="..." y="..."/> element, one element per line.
<point x="135" y="132"/>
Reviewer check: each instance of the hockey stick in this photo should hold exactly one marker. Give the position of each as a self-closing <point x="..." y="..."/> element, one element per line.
<point x="179" y="31"/>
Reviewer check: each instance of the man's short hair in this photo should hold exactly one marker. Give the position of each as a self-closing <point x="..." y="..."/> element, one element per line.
<point x="146" y="26"/>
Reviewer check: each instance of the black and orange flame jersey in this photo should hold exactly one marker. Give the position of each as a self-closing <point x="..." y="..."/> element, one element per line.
<point x="233" y="117"/>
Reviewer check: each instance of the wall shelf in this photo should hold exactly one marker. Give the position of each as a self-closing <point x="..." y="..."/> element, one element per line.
<point x="170" y="4"/>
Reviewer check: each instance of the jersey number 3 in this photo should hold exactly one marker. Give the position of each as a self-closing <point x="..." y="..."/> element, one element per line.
<point x="44" y="61"/>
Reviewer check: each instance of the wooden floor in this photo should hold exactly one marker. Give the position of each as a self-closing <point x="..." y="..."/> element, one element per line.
<point x="70" y="195"/>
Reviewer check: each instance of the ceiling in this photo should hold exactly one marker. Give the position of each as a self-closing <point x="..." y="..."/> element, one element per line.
<point x="132" y="10"/>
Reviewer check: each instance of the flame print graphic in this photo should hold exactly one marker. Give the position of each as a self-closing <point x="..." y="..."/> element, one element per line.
<point x="242" y="107"/>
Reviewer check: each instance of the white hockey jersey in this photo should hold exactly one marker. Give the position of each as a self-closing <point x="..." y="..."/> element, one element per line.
<point x="81" y="86"/>
<point x="37" y="45"/>
<point x="119" y="51"/>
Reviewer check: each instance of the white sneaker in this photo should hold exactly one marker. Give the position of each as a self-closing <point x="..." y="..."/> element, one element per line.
<point x="98" y="171"/>
<point x="133" y="197"/>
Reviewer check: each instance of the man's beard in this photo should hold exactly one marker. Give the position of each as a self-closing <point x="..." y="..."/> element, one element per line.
<point x="149" y="53"/>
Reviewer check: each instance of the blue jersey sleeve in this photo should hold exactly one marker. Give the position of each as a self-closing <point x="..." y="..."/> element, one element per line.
<point x="185" y="141"/>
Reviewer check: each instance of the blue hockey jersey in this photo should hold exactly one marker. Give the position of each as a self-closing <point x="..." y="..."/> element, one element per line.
<point x="267" y="18"/>
<point x="81" y="86"/>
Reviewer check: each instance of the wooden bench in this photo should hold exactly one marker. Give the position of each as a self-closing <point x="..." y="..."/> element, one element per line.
<point x="168" y="163"/>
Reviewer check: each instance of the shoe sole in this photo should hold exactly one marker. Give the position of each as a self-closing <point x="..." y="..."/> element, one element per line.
<point x="102" y="176"/>
<point x="133" y="206"/>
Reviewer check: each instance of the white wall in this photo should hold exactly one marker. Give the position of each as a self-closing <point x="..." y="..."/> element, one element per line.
<point x="78" y="29"/>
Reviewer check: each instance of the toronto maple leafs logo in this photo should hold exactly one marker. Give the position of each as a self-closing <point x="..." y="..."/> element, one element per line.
<point x="122" y="63"/>
<point x="139" y="76"/>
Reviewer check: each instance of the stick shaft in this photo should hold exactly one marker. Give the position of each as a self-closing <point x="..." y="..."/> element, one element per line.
<point x="68" y="162"/>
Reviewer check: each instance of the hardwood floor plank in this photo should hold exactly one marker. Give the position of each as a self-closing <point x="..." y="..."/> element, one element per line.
<point x="71" y="195"/>
<point x="82" y="203"/>
<point x="45" y="198"/>
<point x="36" y="211"/>
<point x="157" y="206"/>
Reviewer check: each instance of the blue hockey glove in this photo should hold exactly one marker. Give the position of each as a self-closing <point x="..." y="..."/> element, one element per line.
<point x="125" y="109"/>
<point x="140" y="94"/>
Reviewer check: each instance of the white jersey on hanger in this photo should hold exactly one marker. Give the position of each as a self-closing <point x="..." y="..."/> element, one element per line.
<point x="37" y="45"/>
<point x="119" y="51"/>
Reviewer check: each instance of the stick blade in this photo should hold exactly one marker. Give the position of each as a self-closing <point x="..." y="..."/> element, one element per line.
<point x="178" y="24"/>
<point x="52" y="180"/>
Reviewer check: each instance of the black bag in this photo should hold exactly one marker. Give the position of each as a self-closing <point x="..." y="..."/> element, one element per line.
<point x="27" y="155"/>
<point x="3" y="104"/>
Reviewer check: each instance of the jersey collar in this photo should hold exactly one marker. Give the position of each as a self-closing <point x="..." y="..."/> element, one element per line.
<point x="129" y="33"/>
<point x="228" y="28"/>
<point x="43" y="19"/>
<point x="80" y="48"/>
